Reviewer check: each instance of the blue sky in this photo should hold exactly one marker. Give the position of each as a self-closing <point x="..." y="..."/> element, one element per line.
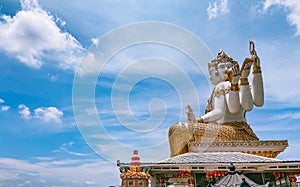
<point x="47" y="45"/>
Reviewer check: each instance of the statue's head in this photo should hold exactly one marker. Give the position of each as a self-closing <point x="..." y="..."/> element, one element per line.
<point x="218" y="67"/>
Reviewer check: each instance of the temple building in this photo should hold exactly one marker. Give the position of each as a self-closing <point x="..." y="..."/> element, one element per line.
<point x="135" y="175"/>
<point x="219" y="148"/>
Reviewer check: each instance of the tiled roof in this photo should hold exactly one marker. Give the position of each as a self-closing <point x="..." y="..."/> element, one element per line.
<point x="216" y="157"/>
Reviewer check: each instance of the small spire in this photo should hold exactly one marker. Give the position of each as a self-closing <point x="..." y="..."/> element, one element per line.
<point x="135" y="159"/>
<point x="231" y="167"/>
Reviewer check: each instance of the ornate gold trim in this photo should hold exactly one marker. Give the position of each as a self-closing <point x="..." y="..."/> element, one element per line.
<point x="268" y="149"/>
<point x="244" y="81"/>
<point x="234" y="87"/>
<point x="257" y="70"/>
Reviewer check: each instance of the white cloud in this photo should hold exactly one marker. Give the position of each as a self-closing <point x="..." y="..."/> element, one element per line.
<point x="293" y="6"/>
<point x="90" y="182"/>
<point x="29" y="4"/>
<point x="290" y="115"/>
<point x="66" y="148"/>
<point x="95" y="41"/>
<point x="53" y="78"/>
<point x="48" y="114"/>
<point x="58" y="172"/>
<point x="24" y="112"/>
<point x="33" y="35"/>
<point x="216" y="9"/>
<point x="88" y="65"/>
<point x="5" y="108"/>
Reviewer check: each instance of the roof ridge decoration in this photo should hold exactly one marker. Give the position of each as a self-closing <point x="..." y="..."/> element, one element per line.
<point x="217" y="157"/>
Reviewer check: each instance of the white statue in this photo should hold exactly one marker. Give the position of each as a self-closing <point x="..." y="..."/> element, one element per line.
<point x="224" y="125"/>
<point x="232" y="95"/>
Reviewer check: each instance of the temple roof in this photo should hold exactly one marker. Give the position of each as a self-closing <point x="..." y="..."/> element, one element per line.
<point x="217" y="157"/>
<point x="211" y="161"/>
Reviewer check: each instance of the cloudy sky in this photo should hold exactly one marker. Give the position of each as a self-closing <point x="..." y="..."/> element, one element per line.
<point x="84" y="83"/>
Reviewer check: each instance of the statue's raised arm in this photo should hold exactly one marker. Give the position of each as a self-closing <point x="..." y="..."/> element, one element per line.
<point x="257" y="80"/>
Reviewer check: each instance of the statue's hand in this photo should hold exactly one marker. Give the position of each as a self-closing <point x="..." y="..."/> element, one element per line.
<point x="254" y="57"/>
<point x="245" y="70"/>
<point x="234" y="74"/>
<point x="256" y="64"/>
<point x="200" y="120"/>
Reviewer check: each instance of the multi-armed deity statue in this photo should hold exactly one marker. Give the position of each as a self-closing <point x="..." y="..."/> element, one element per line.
<point x="232" y="95"/>
<point x="223" y="127"/>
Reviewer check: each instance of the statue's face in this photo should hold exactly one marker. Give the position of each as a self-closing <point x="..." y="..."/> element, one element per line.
<point x="219" y="73"/>
<point x="214" y="75"/>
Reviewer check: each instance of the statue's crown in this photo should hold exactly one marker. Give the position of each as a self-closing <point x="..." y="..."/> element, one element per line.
<point x="221" y="58"/>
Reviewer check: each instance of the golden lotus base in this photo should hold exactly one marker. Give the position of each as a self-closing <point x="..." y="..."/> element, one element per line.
<point x="226" y="137"/>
